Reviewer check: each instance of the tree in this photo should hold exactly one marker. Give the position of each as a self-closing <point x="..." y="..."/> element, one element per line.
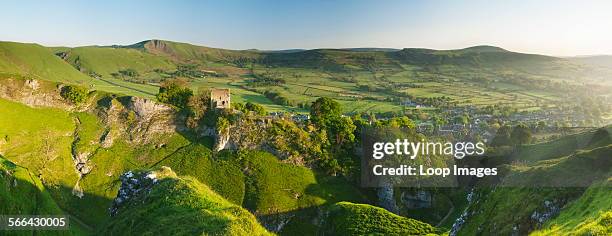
<point x="401" y="122"/>
<point x="176" y="93"/>
<point x="74" y="94"/>
<point x="521" y="134"/>
<point x="326" y="116"/>
<point x="343" y="130"/>
<point x="463" y="119"/>
<point x="502" y="138"/>
<point x="258" y="109"/>
<point x="324" y="111"/>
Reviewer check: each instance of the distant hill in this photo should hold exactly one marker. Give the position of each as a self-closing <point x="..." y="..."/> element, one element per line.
<point x="39" y="62"/>
<point x="598" y="61"/>
<point x="379" y="74"/>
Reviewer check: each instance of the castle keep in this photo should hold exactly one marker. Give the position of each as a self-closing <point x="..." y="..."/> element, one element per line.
<point x="220" y="98"/>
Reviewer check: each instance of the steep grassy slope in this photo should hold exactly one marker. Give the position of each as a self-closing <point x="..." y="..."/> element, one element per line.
<point x="42" y="139"/>
<point x="591" y="214"/>
<point x="36" y="61"/>
<point x="180" y="206"/>
<point x="272" y="190"/>
<point x="564" y="146"/>
<point x="105" y="61"/>
<point x="184" y="52"/>
<point x="22" y="193"/>
<point x="568" y="194"/>
<point x="345" y="218"/>
<point x="38" y="139"/>
<point x="18" y="182"/>
<point x="488" y="58"/>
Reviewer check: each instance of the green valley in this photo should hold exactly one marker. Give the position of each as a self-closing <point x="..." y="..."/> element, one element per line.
<point x="143" y="139"/>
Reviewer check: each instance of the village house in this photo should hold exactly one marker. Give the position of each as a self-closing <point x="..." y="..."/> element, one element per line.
<point x="220" y="98"/>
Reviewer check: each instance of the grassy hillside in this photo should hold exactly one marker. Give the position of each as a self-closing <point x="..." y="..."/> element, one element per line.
<point x="345" y="218"/>
<point x="38" y="139"/>
<point x="181" y="206"/>
<point x="269" y="186"/>
<point x="591" y="214"/>
<point x="105" y="61"/>
<point x="36" y="61"/>
<point x="550" y="194"/>
<point x="363" y="80"/>
<point x="22" y="193"/>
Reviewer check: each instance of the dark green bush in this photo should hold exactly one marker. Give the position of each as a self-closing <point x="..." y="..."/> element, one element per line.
<point x="74" y="94"/>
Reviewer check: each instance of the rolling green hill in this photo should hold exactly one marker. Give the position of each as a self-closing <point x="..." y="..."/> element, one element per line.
<point x="35" y="61"/>
<point x="22" y="193"/>
<point x="105" y="61"/>
<point x="364" y="80"/>
<point x="180" y="206"/>
<point x="345" y="218"/>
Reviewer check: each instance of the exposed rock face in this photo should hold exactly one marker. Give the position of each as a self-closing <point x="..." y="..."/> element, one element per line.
<point x="386" y="199"/>
<point x="275" y="222"/>
<point x="420" y="199"/>
<point x="106" y="140"/>
<point x="551" y="209"/>
<point x="222" y="138"/>
<point x="81" y="161"/>
<point x="32" y="84"/>
<point x="145" y="108"/>
<point x="459" y="222"/>
<point x="133" y="183"/>
<point x="159" y="47"/>
<point x="29" y="93"/>
<point x="150" y="118"/>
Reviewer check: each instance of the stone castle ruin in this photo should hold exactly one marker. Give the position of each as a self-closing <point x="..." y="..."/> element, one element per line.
<point x="220" y="98"/>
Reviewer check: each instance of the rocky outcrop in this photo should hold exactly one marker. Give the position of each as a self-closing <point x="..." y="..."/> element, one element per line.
<point x="459" y="222"/>
<point x="133" y="183"/>
<point x="386" y="198"/>
<point x="149" y="118"/>
<point x="80" y="160"/>
<point x="30" y="93"/>
<point x="107" y="139"/>
<point x="549" y="210"/>
<point x="222" y="139"/>
<point x="417" y="200"/>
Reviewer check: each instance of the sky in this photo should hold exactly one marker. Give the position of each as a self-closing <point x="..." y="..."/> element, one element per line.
<point x="560" y="28"/>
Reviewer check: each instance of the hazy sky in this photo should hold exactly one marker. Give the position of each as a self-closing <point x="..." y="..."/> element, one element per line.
<point x="539" y="26"/>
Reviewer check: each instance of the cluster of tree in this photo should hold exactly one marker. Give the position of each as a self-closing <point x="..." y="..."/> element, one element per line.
<point x="74" y="94"/>
<point x="343" y="134"/>
<point x="175" y="92"/>
<point x="250" y="107"/>
<point x="278" y="98"/>
<point x="195" y="106"/>
<point x="517" y="135"/>
<point x="326" y="115"/>
<point x="129" y="72"/>
<point x="499" y="110"/>
<point x="265" y="80"/>
<point x="441" y="101"/>
<point x="193" y="71"/>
